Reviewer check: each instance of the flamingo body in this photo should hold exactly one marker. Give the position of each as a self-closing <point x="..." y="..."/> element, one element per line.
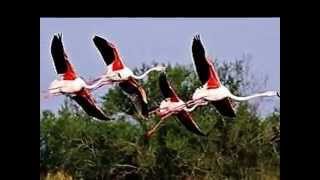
<point x="212" y="90"/>
<point x="66" y="86"/>
<point x="70" y="84"/>
<point x="137" y="95"/>
<point x="116" y="69"/>
<point x="211" y="94"/>
<point x="168" y="105"/>
<point x="172" y="104"/>
<point x="118" y="72"/>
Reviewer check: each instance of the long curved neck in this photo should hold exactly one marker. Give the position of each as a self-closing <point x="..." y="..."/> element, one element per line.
<point x="196" y="103"/>
<point x="145" y="73"/>
<point x="192" y="108"/>
<point x="245" y="98"/>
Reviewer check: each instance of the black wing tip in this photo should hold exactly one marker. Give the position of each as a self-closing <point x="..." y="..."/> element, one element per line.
<point x="232" y="116"/>
<point x="101" y="43"/>
<point x="57" y="36"/>
<point x="145" y="110"/>
<point x="57" y="40"/>
<point x="57" y="49"/>
<point x="99" y="115"/>
<point x="163" y="80"/>
<point x="105" y="118"/>
<point x="165" y="86"/>
<point x="196" y="43"/>
<point x="162" y="77"/>
<point x="98" y="41"/>
<point x="200" y="133"/>
<point x="102" y="115"/>
<point x="196" y="37"/>
<point x="96" y="37"/>
<point x="228" y="115"/>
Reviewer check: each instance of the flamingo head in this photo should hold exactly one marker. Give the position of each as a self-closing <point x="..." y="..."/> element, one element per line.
<point x="271" y="93"/>
<point x="160" y="68"/>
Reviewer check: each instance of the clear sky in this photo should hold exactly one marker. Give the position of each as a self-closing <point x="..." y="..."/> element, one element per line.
<point x="163" y="40"/>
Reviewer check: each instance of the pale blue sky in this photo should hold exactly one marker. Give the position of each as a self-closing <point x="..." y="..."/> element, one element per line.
<point x="162" y="40"/>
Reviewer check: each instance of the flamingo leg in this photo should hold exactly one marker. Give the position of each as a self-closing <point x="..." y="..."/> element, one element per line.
<point x="167" y="115"/>
<point x="114" y="77"/>
<point x="48" y="95"/>
<point x="154" y="111"/>
<point x="197" y="102"/>
<point x="151" y="131"/>
<point x="107" y="82"/>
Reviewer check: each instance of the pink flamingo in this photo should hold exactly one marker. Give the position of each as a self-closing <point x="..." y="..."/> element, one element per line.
<point x="173" y="105"/>
<point x="117" y="72"/>
<point x="212" y="90"/>
<point x="70" y="84"/>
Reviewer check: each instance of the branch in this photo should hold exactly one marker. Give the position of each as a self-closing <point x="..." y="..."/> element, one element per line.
<point x="125" y="165"/>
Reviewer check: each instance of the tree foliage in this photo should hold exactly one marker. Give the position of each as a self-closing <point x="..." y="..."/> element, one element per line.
<point x="246" y="147"/>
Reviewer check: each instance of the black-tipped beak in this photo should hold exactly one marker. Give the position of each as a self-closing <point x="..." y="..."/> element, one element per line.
<point x="278" y="94"/>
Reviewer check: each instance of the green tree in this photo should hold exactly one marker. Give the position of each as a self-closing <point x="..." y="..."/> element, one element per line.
<point x="246" y="147"/>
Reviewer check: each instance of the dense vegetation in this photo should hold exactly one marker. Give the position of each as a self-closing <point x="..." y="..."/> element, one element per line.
<point x="73" y="146"/>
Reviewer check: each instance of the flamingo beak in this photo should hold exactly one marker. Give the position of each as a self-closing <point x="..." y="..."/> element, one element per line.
<point x="162" y="68"/>
<point x="278" y="94"/>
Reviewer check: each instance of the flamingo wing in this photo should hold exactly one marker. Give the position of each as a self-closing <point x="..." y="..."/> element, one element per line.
<point x="186" y="119"/>
<point x="60" y="59"/>
<point x="87" y="102"/>
<point x="165" y="88"/>
<point x="205" y="69"/>
<point x="137" y="94"/>
<point x="109" y="52"/>
<point x="225" y="108"/>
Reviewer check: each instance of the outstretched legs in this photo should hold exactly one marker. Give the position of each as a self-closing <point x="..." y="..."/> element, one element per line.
<point x="192" y="104"/>
<point x="151" y="131"/>
<point x="46" y="94"/>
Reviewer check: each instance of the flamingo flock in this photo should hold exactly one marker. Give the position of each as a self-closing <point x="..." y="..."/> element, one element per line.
<point x="212" y="91"/>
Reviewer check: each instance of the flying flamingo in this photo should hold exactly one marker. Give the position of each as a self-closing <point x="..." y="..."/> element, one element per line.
<point x="212" y="89"/>
<point x="117" y="72"/>
<point x="70" y="84"/>
<point x="116" y="69"/>
<point x="173" y="105"/>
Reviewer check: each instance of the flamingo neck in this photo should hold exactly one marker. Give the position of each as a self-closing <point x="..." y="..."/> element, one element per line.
<point x="196" y="103"/>
<point x="146" y="73"/>
<point x="245" y="98"/>
<point x="192" y="108"/>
